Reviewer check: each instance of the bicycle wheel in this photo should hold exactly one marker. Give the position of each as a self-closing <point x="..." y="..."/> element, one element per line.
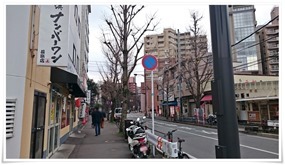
<point x="184" y="156"/>
<point x="118" y="123"/>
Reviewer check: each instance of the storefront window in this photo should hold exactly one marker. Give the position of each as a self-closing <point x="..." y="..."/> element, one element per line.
<point x="52" y="110"/>
<point x="264" y="112"/>
<point x="274" y="112"/>
<point x="68" y="109"/>
<point x="63" y="113"/>
<point x="58" y="108"/>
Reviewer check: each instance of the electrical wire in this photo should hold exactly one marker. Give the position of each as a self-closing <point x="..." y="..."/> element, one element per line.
<point x="255" y="31"/>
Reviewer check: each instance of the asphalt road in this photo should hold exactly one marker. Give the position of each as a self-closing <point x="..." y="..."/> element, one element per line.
<point x="200" y="142"/>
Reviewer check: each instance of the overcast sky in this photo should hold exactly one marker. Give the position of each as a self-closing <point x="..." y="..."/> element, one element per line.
<point x="169" y="16"/>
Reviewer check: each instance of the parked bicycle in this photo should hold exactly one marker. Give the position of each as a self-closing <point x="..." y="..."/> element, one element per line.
<point x="181" y="154"/>
<point x="117" y="121"/>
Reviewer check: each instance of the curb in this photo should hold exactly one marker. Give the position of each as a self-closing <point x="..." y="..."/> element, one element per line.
<point x="241" y="129"/>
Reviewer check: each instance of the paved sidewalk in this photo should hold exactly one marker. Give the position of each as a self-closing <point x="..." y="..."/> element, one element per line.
<point x="108" y="145"/>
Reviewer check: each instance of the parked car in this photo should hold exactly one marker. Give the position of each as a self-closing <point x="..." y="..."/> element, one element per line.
<point x="117" y="113"/>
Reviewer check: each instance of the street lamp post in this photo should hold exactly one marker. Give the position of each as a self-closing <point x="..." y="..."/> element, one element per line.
<point x="179" y="77"/>
<point x="145" y="89"/>
<point x="136" y="93"/>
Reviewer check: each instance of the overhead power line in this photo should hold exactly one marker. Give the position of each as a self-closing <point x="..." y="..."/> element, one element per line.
<point x="255" y="31"/>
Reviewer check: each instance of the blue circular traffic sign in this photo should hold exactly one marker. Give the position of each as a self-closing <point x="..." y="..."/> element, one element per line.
<point x="149" y="62"/>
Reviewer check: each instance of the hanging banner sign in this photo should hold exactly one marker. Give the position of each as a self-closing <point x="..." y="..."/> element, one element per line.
<point x="53" y="36"/>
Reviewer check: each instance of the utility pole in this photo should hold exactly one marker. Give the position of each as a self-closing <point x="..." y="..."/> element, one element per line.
<point x="179" y="76"/>
<point x="136" y="93"/>
<point x="223" y="85"/>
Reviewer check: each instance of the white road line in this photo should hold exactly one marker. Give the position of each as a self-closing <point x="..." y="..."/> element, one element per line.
<point x="263" y="138"/>
<point x="198" y="135"/>
<point x="253" y="148"/>
<point x="172" y="125"/>
<point x="186" y="128"/>
<point x="209" y="132"/>
<point x="259" y="149"/>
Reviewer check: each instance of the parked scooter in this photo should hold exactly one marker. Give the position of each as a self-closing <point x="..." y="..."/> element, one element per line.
<point x="137" y="140"/>
<point x="212" y="119"/>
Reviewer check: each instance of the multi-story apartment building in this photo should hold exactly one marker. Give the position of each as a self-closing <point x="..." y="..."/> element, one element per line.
<point x="44" y="81"/>
<point x="165" y="47"/>
<point x="255" y="94"/>
<point x="242" y="23"/>
<point x="84" y="38"/>
<point x="269" y="37"/>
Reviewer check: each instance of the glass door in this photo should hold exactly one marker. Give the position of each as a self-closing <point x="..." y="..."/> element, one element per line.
<point x="38" y="125"/>
<point x="54" y="121"/>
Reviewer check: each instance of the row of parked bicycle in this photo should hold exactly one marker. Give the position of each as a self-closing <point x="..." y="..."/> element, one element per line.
<point x="139" y="144"/>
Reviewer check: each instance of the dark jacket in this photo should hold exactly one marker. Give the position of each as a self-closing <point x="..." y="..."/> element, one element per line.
<point x="96" y="116"/>
<point x="103" y="114"/>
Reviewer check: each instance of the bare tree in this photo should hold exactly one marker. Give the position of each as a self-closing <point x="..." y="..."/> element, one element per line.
<point x="197" y="66"/>
<point x="126" y="37"/>
<point x="166" y="87"/>
<point x="111" y="84"/>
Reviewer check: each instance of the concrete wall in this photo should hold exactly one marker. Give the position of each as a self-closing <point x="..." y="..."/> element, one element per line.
<point x="37" y="79"/>
<point x="17" y="44"/>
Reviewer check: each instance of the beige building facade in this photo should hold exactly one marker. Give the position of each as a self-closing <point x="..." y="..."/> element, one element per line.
<point x="40" y="100"/>
<point x="270" y="45"/>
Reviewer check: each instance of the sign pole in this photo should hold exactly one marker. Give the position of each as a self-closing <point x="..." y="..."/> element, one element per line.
<point x="149" y="62"/>
<point x="152" y="109"/>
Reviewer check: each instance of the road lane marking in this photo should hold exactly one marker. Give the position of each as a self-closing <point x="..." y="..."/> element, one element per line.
<point x="209" y="132"/>
<point x="187" y="128"/>
<point x="263" y="138"/>
<point x="259" y="149"/>
<point x="199" y="135"/>
<point x="253" y="148"/>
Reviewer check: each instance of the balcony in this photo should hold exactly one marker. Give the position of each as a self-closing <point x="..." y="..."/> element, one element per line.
<point x="272" y="31"/>
<point x="274" y="68"/>
<point x="274" y="61"/>
<point x="273" y="46"/>
<point x="276" y="39"/>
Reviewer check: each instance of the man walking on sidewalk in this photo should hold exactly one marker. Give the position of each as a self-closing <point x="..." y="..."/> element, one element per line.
<point x="96" y="120"/>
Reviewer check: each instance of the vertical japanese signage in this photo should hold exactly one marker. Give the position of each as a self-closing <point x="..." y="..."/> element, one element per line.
<point x="53" y="36"/>
<point x="82" y="110"/>
<point x="88" y="98"/>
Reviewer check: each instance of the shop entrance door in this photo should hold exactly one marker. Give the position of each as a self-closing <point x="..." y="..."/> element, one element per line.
<point x="54" y="124"/>
<point x="38" y="125"/>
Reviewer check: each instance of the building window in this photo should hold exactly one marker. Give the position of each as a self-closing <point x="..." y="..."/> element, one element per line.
<point x="77" y="64"/>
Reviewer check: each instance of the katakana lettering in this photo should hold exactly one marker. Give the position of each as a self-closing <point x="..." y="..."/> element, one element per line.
<point x="57" y="16"/>
<point x="57" y="49"/>
<point x="56" y="34"/>
<point x="58" y="7"/>
<point x="57" y="26"/>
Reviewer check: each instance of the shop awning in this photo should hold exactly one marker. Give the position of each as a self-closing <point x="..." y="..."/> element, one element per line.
<point x="170" y="103"/>
<point x="207" y="98"/>
<point x="61" y="76"/>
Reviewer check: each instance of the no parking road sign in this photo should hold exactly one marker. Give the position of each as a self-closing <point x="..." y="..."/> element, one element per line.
<point x="149" y="62"/>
